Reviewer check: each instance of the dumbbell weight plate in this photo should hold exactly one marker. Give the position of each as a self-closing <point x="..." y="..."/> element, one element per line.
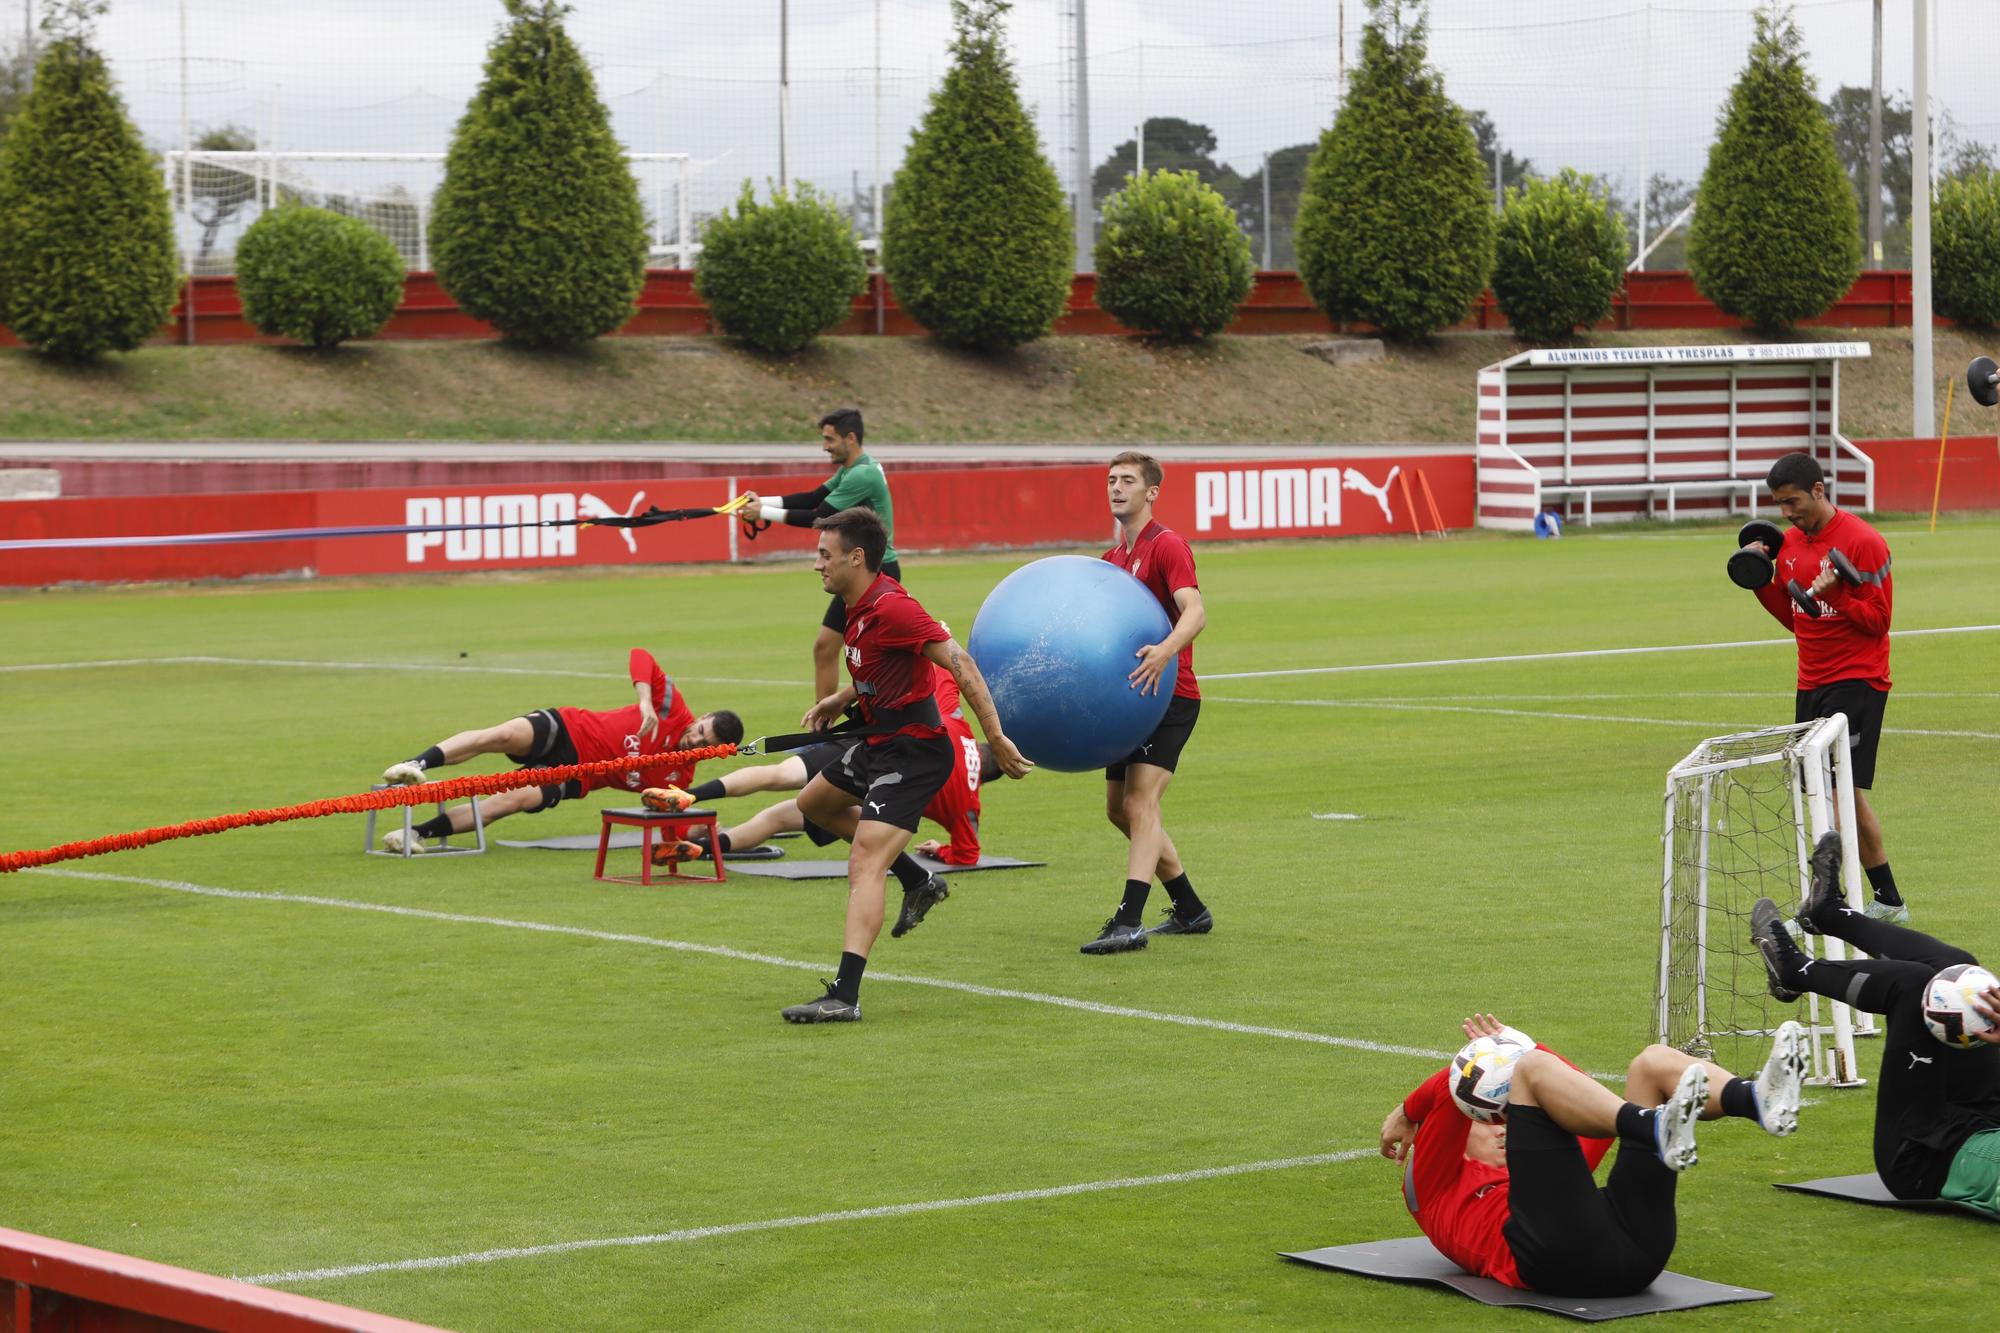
<point x="1762" y="530"/>
<point x="1979" y="380"/>
<point x="1750" y="568"/>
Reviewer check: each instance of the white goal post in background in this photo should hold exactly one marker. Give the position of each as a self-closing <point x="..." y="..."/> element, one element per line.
<point x="216" y="194"/>
<point x="1742" y="815"/>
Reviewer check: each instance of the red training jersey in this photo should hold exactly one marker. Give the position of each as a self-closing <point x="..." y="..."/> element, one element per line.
<point x="1459" y="1204"/>
<point x="956" y="805"/>
<point x="1163" y="561"/>
<point x="614" y="734"/>
<point x="1849" y="638"/>
<point x="886" y="633"/>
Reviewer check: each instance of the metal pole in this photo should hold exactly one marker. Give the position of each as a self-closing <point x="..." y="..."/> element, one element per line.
<point x="1086" y="206"/>
<point x="187" y="181"/>
<point x="784" y="90"/>
<point x="1267" y="211"/>
<point x="1875" y="149"/>
<point x="876" y="209"/>
<point x="1499" y="181"/>
<point x="1340" y="59"/>
<point x="28" y="42"/>
<point x="1142" y="109"/>
<point x="1923" y="415"/>
<point x="1645" y="125"/>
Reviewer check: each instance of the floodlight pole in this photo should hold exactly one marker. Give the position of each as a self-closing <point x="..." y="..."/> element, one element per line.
<point x="1645" y="126"/>
<point x="187" y="179"/>
<point x="876" y="210"/>
<point x="1086" y="211"/>
<point x="1923" y="415"/>
<point x="1267" y="212"/>
<point x="1142" y="108"/>
<point x="1875" y="149"/>
<point x="28" y="42"/>
<point x="784" y="90"/>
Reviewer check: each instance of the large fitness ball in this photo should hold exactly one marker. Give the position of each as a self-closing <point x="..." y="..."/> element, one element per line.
<point x="1055" y="642"/>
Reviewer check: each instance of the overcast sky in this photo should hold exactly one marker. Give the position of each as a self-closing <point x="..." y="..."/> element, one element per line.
<point x="1561" y="78"/>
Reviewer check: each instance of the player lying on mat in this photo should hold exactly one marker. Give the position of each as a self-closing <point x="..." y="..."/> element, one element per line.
<point x="956" y="806"/>
<point x="1937" y="1100"/>
<point x="658" y="722"/>
<point x="1516" y="1202"/>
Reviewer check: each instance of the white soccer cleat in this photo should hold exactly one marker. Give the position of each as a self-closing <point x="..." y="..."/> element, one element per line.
<point x="405" y="774"/>
<point x="395" y="843"/>
<point x="1673" y="1121"/>
<point x="1779" y="1083"/>
<point x="1877" y="910"/>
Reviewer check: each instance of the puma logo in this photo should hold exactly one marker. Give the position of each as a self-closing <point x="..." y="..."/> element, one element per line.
<point x="1351" y="480"/>
<point x="876" y="806"/>
<point x="589" y="506"/>
<point x="1916" y="1059"/>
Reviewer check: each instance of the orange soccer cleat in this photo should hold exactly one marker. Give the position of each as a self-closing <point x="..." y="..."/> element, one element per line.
<point x="667" y="800"/>
<point x="671" y="854"/>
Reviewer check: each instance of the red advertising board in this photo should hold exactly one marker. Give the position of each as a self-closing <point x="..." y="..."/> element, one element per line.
<point x="950" y="510"/>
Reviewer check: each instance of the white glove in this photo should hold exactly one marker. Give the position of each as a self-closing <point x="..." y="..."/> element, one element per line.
<point x="771" y="511"/>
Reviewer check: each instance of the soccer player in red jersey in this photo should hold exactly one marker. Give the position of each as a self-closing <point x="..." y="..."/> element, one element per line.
<point x="1159" y="558"/>
<point x="876" y="790"/>
<point x="1844" y="650"/>
<point x="658" y="721"/>
<point x="1516" y="1201"/>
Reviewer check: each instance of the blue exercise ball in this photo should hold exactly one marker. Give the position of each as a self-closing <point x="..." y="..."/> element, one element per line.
<point x="1055" y="641"/>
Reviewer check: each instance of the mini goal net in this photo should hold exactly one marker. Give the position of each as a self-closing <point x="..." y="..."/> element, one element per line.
<point x="1742" y="814"/>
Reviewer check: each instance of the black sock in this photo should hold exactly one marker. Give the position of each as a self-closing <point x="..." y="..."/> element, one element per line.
<point x="908" y="873"/>
<point x="847" y="986"/>
<point x="434" y="827"/>
<point x="709" y="791"/>
<point x="1884" y="884"/>
<point x="1636" y="1123"/>
<point x="431" y="758"/>
<point x="1133" y="905"/>
<point x="722" y="841"/>
<point x="1186" y="905"/>
<point x="1739" y="1098"/>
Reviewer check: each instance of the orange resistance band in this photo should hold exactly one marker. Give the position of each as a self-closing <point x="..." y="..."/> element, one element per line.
<point x="447" y="789"/>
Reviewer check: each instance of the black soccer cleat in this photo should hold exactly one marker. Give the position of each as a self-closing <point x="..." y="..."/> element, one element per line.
<point x="1175" y="924"/>
<point x="828" y="1008"/>
<point x="1117" y="937"/>
<point x="917" y="903"/>
<point x="1767" y="932"/>
<point x="1824" y="900"/>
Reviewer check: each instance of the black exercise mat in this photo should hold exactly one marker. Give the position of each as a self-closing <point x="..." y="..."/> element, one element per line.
<point x="1414" y="1259"/>
<point x="1870" y="1189"/>
<point x="628" y="840"/>
<point x="789" y="869"/>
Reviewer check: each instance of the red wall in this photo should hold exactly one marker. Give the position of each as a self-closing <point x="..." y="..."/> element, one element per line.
<point x="946" y="509"/>
<point x="1906" y="473"/>
<point x="1277" y="304"/>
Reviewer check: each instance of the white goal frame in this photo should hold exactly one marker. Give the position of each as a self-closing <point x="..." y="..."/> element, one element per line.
<point x="265" y="169"/>
<point x="1823" y="799"/>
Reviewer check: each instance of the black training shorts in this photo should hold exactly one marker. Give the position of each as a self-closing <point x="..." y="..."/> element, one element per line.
<point x="1163" y="748"/>
<point x="836" y="613"/>
<point x="895" y="780"/>
<point x="817" y="759"/>
<point x="1571" y="1238"/>
<point x="550" y="748"/>
<point x="1863" y="704"/>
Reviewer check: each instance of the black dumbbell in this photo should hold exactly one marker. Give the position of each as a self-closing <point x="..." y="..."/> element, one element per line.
<point x="1755" y="561"/>
<point x="1805" y="601"/>
<point x="1982" y="380"/>
<point x="1843" y="569"/>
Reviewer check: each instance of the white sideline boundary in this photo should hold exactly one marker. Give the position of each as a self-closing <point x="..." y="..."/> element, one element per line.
<point x="746" y="956"/>
<point x="805" y="1220"/>
<point x="1696" y="724"/>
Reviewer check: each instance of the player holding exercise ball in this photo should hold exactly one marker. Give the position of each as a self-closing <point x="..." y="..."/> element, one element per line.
<point x="1828" y="583"/>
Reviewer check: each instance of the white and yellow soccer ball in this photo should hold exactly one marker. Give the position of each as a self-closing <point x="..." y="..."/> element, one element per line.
<point x="1482" y="1074"/>
<point x="1948" y="1010"/>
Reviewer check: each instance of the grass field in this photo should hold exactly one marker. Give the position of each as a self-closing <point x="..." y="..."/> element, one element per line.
<point x="214" y="1054"/>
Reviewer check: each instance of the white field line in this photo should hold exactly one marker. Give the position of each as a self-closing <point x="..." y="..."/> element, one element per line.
<point x="453" y="668"/>
<point x="1560" y="656"/>
<point x="806" y="1220"/>
<point x="771" y="960"/>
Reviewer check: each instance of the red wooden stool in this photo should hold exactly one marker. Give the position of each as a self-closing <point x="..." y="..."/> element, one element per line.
<point x="668" y="829"/>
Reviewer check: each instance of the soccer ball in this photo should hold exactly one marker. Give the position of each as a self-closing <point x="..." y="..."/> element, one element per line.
<point x="1948" y="1010"/>
<point x="1482" y="1074"/>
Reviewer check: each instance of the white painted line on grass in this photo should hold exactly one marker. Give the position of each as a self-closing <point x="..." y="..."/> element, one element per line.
<point x="1335" y="814"/>
<point x="746" y="956"/>
<point x="1559" y="656"/>
<point x="453" y="668"/>
<point x="806" y="1220"/>
<point x="1692" y="724"/>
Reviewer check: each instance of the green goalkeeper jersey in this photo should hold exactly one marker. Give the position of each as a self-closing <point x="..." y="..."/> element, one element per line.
<point x="862" y="483"/>
<point x="1975" y="1174"/>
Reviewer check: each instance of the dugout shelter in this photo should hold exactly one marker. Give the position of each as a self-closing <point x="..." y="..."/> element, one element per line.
<point x="1606" y="433"/>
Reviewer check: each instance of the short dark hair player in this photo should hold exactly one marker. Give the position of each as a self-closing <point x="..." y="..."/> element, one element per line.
<point x="1161" y="559"/>
<point x="875" y="792"/>
<point x="1843" y="650"/>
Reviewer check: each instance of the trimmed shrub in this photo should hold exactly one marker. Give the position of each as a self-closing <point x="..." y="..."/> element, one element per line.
<point x="1395" y="226"/>
<point x="88" y="262"/>
<point x="1170" y="257"/>
<point x="313" y="275"/>
<point x="779" y="275"/>
<point x="977" y="243"/>
<point x="1965" y="242"/>
<point x="1775" y="237"/>
<point x="537" y="228"/>
<point x="1558" y="256"/>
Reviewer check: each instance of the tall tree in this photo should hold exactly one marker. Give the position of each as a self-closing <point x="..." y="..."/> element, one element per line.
<point x="1514" y="171"/>
<point x="1847" y="115"/>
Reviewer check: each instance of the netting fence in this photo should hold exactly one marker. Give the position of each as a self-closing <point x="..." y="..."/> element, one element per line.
<point x="828" y="92"/>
